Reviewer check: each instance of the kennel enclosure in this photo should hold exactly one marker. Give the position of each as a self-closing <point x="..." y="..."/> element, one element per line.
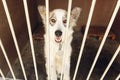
<point x="19" y="21"/>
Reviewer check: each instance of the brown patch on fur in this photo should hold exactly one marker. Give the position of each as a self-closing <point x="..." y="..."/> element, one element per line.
<point x="52" y="16"/>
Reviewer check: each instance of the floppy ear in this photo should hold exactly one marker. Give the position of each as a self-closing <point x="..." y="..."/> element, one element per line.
<point x="42" y="11"/>
<point x="76" y="12"/>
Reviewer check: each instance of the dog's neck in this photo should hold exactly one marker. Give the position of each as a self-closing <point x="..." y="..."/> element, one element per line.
<point x="60" y="50"/>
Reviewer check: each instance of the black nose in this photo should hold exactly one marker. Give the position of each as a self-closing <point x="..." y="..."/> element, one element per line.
<point x="58" y="33"/>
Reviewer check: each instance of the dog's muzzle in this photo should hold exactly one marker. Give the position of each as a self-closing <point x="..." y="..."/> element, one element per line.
<point x="58" y="35"/>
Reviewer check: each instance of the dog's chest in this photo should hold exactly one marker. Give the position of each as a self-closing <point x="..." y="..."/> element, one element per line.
<point x="59" y="58"/>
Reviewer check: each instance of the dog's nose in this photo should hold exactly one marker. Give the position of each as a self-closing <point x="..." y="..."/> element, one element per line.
<point x="58" y="33"/>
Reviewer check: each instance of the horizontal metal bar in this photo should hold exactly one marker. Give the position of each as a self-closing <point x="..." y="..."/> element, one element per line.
<point x="9" y="79"/>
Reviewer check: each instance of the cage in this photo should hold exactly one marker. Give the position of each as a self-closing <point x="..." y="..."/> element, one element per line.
<point x="95" y="44"/>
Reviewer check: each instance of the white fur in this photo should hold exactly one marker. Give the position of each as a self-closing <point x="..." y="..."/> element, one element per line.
<point x="57" y="48"/>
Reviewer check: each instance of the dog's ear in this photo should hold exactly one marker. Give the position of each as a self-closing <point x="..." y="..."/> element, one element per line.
<point x="42" y="11"/>
<point x="76" y="12"/>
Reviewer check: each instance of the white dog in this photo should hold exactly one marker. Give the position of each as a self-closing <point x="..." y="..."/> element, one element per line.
<point x="57" y="27"/>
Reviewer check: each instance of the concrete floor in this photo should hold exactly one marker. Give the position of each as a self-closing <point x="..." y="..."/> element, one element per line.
<point x="89" y="53"/>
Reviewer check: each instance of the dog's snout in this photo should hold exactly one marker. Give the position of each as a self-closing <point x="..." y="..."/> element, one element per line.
<point x="58" y="33"/>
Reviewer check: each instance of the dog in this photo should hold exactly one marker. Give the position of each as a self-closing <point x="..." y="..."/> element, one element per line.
<point x="57" y="31"/>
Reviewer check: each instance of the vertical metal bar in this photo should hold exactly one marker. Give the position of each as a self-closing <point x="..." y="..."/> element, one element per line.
<point x="48" y="37"/>
<point x="104" y="38"/>
<point x="85" y="35"/>
<point x="66" y="33"/>
<point x="30" y="36"/>
<point x="110" y="63"/>
<point x="118" y="77"/>
<point x="3" y="76"/>
<point x="14" y="36"/>
<point x="6" y="57"/>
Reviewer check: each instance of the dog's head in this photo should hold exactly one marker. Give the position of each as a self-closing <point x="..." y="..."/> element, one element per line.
<point x="57" y="22"/>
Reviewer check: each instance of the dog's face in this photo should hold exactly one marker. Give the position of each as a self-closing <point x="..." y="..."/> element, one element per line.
<point x="58" y="21"/>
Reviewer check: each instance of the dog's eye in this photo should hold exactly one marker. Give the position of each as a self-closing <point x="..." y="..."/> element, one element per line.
<point x="53" y="20"/>
<point x="65" y="21"/>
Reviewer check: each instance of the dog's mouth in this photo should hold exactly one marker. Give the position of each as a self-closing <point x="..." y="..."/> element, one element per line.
<point x="58" y="39"/>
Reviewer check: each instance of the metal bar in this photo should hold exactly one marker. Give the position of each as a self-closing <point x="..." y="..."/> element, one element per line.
<point x="30" y="36"/>
<point x="118" y="77"/>
<point x="85" y="36"/>
<point x="9" y="79"/>
<point x="104" y="38"/>
<point x="110" y="63"/>
<point x="66" y="33"/>
<point x="14" y="36"/>
<point x="3" y="76"/>
<point x="6" y="57"/>
<point x="48" y="36"/>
